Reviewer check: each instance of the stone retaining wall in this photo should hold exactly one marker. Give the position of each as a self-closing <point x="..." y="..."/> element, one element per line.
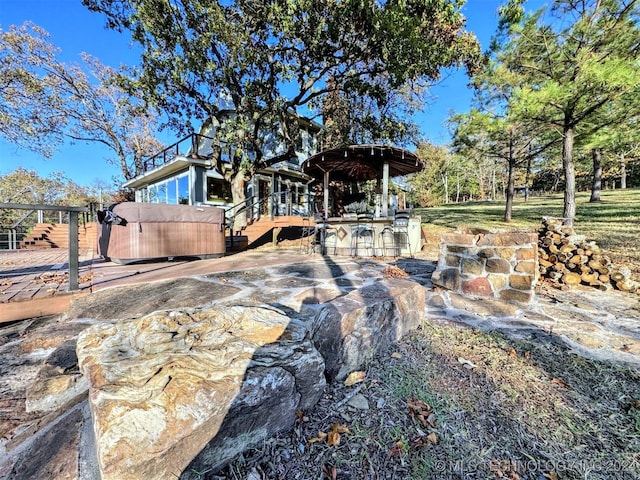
<point x="496" y="265"/>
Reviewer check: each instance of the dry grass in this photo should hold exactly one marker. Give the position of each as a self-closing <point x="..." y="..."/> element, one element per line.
<point x="527" y="409"/>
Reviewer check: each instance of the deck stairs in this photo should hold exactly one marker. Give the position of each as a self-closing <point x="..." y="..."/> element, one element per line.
<point x="56" y="235"/>
<point x="263" y="230"/>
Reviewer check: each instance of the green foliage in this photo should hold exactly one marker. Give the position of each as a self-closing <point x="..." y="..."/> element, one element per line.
<point x="267" y="60"/>
<point x="569" y="72"/>
<point x="445" y="176"/>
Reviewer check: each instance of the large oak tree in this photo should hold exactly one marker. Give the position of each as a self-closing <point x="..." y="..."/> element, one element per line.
<point x="268" y="60"/>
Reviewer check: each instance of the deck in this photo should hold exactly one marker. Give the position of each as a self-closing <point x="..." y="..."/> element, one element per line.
<point x="35" y="283"/>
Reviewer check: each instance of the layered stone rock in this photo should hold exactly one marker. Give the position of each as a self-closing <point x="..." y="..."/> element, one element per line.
<point x="206" y="382"/>
<point x="351" y="329"/>
<point x="58" y="381"/>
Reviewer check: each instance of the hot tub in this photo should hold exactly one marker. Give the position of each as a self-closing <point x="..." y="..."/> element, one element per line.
<point x="132" y="232"/>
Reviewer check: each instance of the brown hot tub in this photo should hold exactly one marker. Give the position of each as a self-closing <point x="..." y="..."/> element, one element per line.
<point x="132" y="232"/>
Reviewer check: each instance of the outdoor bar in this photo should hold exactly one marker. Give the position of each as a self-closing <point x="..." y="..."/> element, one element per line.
<point x="356" y="228"/>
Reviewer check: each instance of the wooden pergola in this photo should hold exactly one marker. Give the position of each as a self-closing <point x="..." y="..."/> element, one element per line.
<point x="360" y="163"/>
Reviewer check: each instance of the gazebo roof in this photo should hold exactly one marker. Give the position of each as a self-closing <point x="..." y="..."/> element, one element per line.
<point x="361" y="162"/>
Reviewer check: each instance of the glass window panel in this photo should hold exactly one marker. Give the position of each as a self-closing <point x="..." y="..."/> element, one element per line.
<point x="218" y="190"/>
<point x="172" y="192"/>
<point x="162" y="193"/>
<point x="183" y="190"/>
<point x="153" y="194"/>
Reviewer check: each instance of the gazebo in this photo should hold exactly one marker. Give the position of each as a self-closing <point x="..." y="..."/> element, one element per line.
<point x="360" y="163"/>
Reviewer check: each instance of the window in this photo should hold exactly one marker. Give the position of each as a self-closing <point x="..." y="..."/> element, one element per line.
<point x="173" y="190"/>
<point x="183" y="190"/>
<point x="218" y="190"/>
<point x="172" y="193"/>
<point x="161" y="193"/>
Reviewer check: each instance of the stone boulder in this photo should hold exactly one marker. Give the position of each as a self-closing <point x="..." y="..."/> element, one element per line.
<point x="194" y="386"/>
<point x="349" y="330"/>
<point x="58" y="381"/>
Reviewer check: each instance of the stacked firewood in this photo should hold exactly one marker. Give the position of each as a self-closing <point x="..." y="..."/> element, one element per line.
<point x="569" y="259"/>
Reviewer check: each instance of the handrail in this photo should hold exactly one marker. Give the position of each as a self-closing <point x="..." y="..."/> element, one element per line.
<point x="150" y="163"/>
<point x="251" y="203"/>
<point x="73" y="233"/>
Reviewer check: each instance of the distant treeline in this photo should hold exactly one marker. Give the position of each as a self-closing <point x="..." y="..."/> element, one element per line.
<point x="552" y="179"/>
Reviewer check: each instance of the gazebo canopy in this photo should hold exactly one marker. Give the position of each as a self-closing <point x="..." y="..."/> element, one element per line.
<point x="361" y="162"/>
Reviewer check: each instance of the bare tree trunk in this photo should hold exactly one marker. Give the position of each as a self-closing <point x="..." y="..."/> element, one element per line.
<point x="623" y="171"/>
<point x="510" y="183"/>
<point x="569" y="212"/>
<point x="596" y="186"/>
<point x="445" y="184"/>
<point x="494" y="187"/>
<point x="526" y="178"/>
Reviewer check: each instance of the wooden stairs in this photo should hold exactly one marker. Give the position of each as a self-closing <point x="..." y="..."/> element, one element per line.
<point x="265" y="230"/>
<point x="56" y="235"/>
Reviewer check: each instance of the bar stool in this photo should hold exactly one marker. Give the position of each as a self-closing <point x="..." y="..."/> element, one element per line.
<point x="306" y="236"/>
<point x="401" y="231"/>
<point x="387" y="240"/>
<point x="362" y="234"/>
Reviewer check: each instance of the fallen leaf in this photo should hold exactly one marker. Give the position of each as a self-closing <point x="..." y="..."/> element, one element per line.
<point x="397" y="449"/>
<point x="394" y="272"/>
<point x="422" y="412"/>
<point x="396" y="355"/>
<point x="559" y="382"/>
<point x="420" y="441"/>
<point x="466" y="363"/>
<point x="353" y="378"/>
<point x="512" y="353"/>
<point x="432" y="437"/>
<point x="552" y="475"/>
<point x="321" y="436"/>
<point x="336" y="427"/>
<point x="527" y="356"/>
<point x="299" y="416"/>
<point x="329" y="472"/>
<point x="333" y="439"/>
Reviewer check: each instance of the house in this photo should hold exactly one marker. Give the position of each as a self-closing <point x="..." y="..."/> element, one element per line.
<point x="185" y="173"/>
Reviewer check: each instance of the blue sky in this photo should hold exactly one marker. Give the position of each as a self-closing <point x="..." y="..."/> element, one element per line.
<point x="74" y="29"/>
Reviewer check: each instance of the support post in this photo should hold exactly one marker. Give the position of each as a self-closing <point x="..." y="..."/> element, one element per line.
<point x="385" y="190"/>
<point x="276" y="232"/>
<point x="326" y="195"/>
<point x="73" y="251"/>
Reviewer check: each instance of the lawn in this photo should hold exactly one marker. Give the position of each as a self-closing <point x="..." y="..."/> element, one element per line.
<point x="613" y="223"/>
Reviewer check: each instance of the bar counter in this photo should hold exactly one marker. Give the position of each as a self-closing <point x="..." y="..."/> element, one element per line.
<point x="337" y="237"/>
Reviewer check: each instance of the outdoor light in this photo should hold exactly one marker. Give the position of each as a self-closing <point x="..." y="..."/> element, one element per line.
<point x="345" y="154"/>
<point x="371" y="150"/>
